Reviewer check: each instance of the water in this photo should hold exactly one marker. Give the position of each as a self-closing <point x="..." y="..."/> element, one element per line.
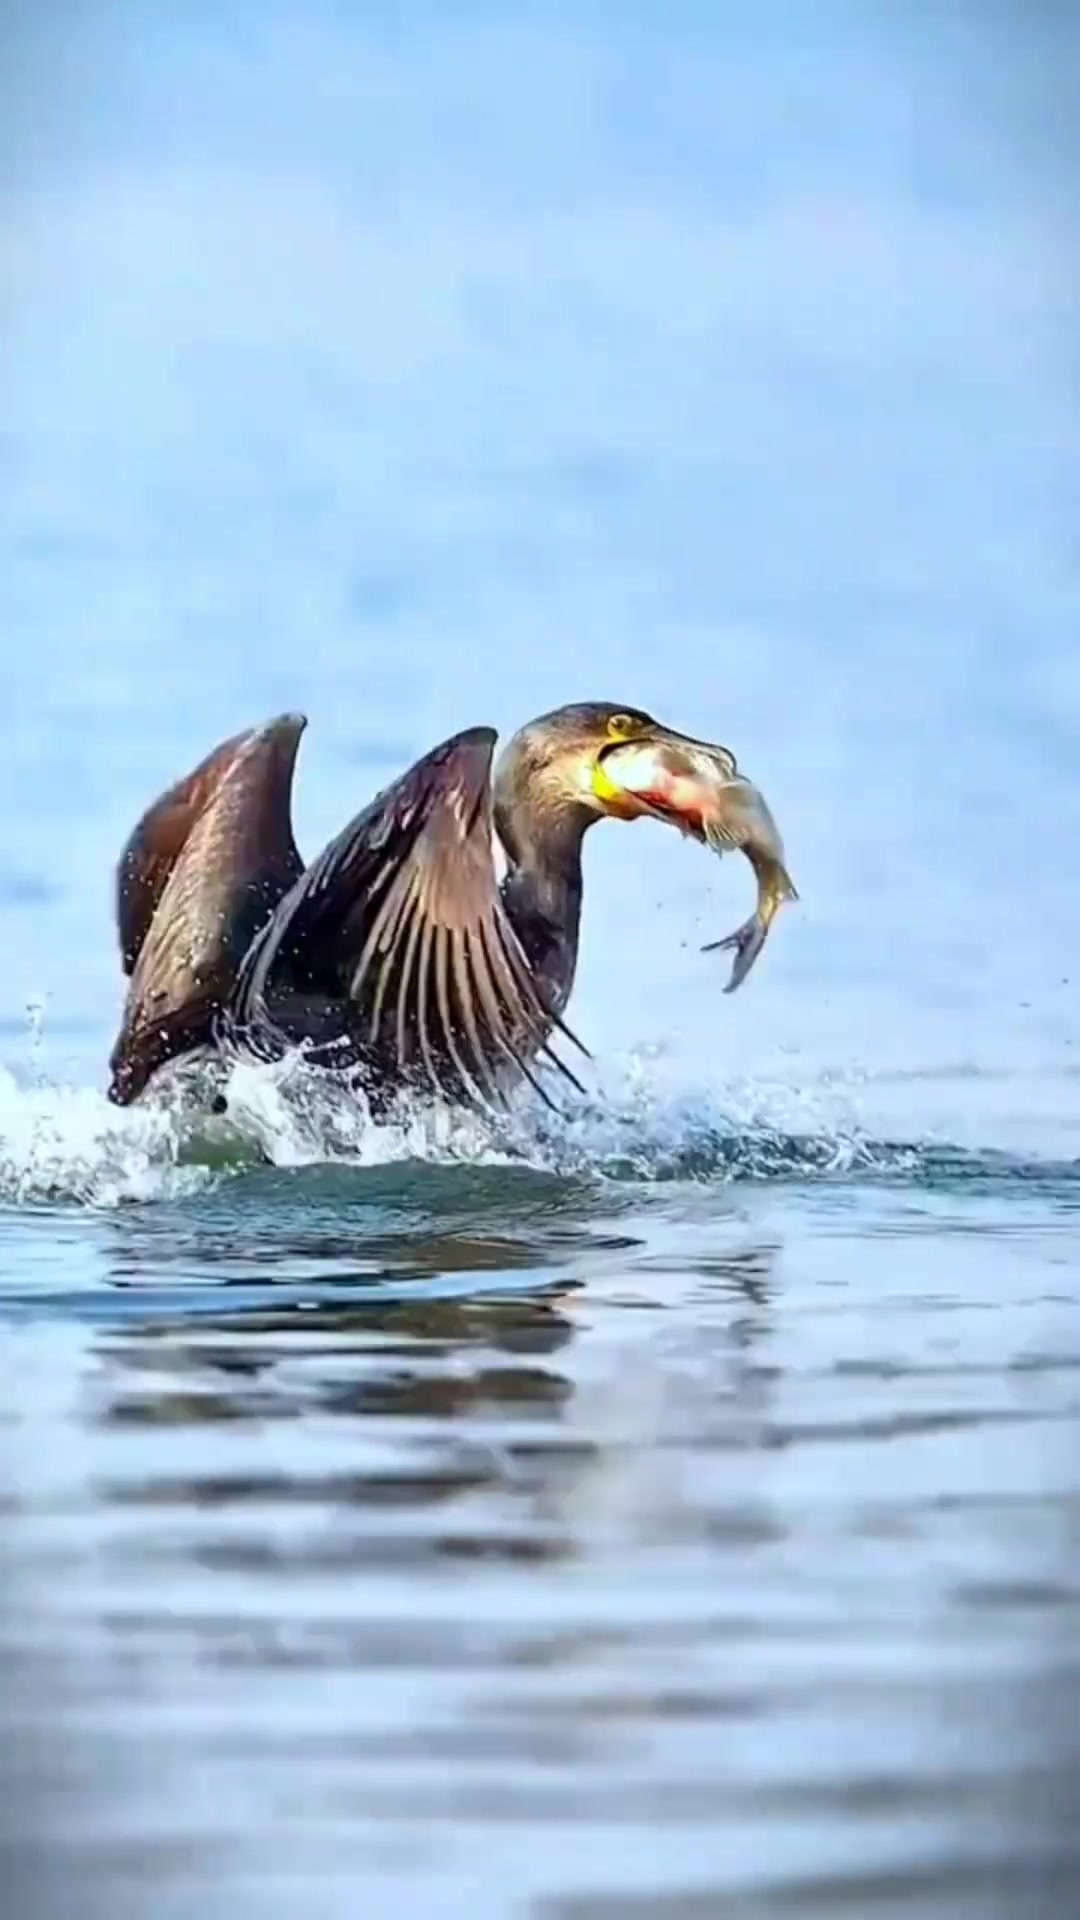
<point x="669" y="1506"/>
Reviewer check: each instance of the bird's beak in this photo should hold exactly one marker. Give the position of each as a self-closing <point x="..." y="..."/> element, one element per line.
<point x="614" y="800"/>
<point x="663" y="775"/>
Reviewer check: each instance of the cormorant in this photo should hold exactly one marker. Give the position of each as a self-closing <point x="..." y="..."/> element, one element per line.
<point x="398" y="952"/>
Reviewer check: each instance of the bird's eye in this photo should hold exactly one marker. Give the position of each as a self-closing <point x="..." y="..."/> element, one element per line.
<point x="622" y="726"/>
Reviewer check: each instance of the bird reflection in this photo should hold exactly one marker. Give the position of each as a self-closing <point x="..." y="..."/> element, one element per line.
<point x="747" y="1279"/>
<point x="749" y="1271"/>
<point x="380" y="1341"/>
<point x="471" y="1381"/>
<point x="458" y="1426"/>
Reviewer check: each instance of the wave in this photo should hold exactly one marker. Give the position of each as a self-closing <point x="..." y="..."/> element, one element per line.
<point x="66" y="1144"/>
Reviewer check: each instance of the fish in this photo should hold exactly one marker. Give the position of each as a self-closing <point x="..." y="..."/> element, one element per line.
<point x="775" y="888"/>
<point x="698" y="788"/>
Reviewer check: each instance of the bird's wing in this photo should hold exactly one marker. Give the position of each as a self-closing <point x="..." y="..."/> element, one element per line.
<point x="159" y="838"/>
<point x="199" y="877"/>
<point x="401" y="920"/>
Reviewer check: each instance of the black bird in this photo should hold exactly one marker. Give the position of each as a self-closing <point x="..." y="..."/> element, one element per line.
<point x="398" y="953"/>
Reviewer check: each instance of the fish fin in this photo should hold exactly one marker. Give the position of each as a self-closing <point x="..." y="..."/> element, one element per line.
<point x="746" y="943"/>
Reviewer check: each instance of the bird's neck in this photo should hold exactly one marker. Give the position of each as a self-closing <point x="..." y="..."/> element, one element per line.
<point x="542" y="891"/>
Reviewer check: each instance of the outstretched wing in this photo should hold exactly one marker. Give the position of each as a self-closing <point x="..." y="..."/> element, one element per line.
<point x="199" y="877"/>
<point x="399" y="925"/>
<point x="159" y="838"/>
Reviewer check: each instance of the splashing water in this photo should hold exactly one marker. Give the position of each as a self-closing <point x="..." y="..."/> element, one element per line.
<point x="67" y="1143"/>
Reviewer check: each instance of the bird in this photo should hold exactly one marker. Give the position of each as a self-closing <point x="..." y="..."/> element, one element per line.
<point x="399" y="954"/>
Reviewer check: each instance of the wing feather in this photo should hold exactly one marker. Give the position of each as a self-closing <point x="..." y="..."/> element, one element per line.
<point x="401" y="921"/>
<point x="466" y="1001"/>
<point x="423" y="995"/>
<point x="482" y="1081"/>
<point x="406" y="1018"/>
<point x="201" y="873"/>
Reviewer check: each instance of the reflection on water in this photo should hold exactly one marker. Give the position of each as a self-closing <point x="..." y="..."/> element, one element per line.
<point x="621" y="1563"/>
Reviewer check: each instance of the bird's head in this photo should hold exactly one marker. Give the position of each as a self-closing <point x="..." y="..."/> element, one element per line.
<point x="567" y="768"/>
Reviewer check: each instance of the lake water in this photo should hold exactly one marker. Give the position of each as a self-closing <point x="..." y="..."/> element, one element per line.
<point x="670" y="1506"/>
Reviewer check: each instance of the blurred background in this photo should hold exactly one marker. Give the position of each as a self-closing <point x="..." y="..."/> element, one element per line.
<point x="430" y="365"/>
<point x="427" y="365"/>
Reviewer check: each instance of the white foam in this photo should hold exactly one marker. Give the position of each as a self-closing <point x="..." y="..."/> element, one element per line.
<point x="67" y="1143"/>
<point x="64" y="1142"/>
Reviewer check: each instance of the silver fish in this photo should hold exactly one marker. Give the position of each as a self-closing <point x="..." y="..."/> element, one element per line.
<point x="743" y="820"/>
<point x="697" y="788"/>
